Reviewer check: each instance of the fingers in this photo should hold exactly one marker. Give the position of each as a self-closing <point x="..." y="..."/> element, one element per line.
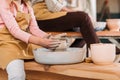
<point x="54" y="41"/>
<point x="48" y="36"/>
<point x="53" y="44"/>
<point x="53" y="47"/>
<point x="60" y="35"/>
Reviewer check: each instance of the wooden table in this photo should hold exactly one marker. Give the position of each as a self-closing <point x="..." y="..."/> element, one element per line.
<point x="79" y="70"/>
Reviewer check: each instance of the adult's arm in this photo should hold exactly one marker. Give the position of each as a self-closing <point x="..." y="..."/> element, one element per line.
<point x="54" y="5"/>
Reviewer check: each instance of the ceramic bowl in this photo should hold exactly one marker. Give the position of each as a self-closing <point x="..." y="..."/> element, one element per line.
<point x="99" y="26"/>
<point x="103" y="54"/>
<point x="71" y="55"/>
<point x="113" y="24"/>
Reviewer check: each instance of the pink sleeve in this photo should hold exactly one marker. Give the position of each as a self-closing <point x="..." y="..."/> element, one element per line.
<point x="12" y="25"/>
<point x="34" y="29"/>
<point x="4" y="3"/>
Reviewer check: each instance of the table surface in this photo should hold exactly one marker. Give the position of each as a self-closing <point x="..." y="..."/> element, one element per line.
<point x="99" y="34"/>
<point x="85" y="70"/>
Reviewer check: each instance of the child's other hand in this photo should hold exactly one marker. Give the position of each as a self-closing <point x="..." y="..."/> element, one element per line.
<point x="50" y="43"/>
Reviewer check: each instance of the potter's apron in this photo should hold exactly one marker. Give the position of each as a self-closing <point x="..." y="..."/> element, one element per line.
<point x="12" y="48"/>
<point x="42" y="13"/>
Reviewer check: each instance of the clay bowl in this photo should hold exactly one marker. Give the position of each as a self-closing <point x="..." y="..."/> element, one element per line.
<point x="113" y="24"/>
<point x="99" y="26"/>
<point x="103" y="54"/>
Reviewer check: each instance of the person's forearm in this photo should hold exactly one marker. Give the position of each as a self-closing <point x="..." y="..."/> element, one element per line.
<point x="34" y="28"/>
<point x="35" y="40"/>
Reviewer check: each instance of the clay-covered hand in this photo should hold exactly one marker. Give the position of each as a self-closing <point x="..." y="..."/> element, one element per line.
<point x="50" y="43"/>
<point x="59" y="36"/>
<point x="47" y="36"/>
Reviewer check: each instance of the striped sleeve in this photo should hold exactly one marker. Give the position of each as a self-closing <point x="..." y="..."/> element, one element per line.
<point x="54" y="5"/>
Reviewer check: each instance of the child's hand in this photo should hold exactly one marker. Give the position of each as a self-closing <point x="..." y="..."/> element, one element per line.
<point x="60" y="35"/>
<point x="47" y="36"/>
<point x="50" y="43"/>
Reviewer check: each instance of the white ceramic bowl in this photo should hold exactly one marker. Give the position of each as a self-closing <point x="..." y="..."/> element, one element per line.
<point x="99" y="26"/>
<point x="113" y="24"/>
<point x="103" y="54"/>
<point x="71" y="55"/>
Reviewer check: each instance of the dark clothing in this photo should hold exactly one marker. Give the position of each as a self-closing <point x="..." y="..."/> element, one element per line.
<point x="69" y="21"/>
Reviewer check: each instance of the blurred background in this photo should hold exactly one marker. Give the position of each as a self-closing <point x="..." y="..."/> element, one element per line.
<point x="112" y="9"/>
<point x="98" y="9"/>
